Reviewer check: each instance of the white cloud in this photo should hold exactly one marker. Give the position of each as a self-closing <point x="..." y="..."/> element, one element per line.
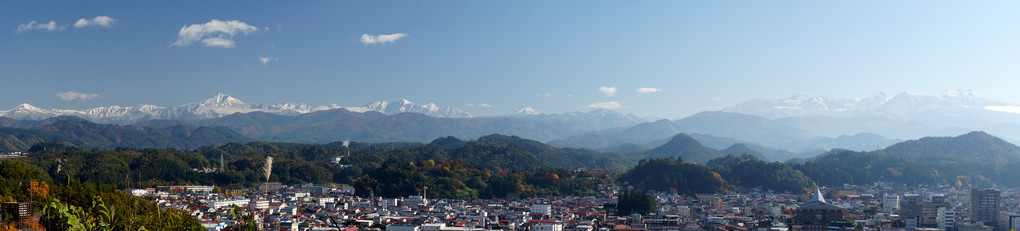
<point x="70" y="95"/>
<point x="103" y="21"/>
<point x="265" y="60"/>
<point x="1007" y="109"/>
<point x="214" y="33"/>
<point x="607" y="105"/>
<point x="716" y="98"/>
<point x="383" y="38"/>
<point x="479" y="105"/>
<point x="547" y="94"/>
<point x="646" y="90"/>
<point x="34" y="25"/>
<point x="608" y="91"/>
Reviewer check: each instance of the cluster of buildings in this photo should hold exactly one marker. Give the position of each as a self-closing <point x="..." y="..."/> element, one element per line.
<point x="873" y="207"/>
<point x="12" y="155"/>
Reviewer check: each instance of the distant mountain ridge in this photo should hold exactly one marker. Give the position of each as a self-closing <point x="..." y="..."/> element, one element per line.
<point x="685" y="147"/>
<point x="371" y="126"/>
<point x="904" y="104"/>
<point x="595" y="119"/>
<point x="219" y="106"/>
<point x="906" y="115"/>
<point x="86" y="134"/>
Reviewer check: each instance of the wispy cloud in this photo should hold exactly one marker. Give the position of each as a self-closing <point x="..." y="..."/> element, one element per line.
<point x="214" y="33"/>
<point x="608" y="91"/>
<point x="716" y="98"/>
<point x="103" y="21"/>
<point x="34" y="25"/>
<point x="541" y="95"/>
<point x="479" y="105"/>
<point x="383" y="38"/>
<point x="607" y="105"/>
<point x="70" y="95"/>
<point x="646" y="90"/>
<point x="265" y="60"/>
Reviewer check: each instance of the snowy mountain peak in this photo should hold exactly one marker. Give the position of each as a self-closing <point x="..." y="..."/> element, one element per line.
<point x="221" y="100"/>
<point x="526" y="111"/>
<point x="404" y="105"/>
<point x="904" y="105"/>
<point x="26" y="107"/>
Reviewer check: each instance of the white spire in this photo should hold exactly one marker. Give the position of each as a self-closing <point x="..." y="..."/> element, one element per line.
<point x="818" y="196"/>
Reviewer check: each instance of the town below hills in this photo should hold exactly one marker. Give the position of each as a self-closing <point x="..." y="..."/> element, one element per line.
<point x="394" y="155"/>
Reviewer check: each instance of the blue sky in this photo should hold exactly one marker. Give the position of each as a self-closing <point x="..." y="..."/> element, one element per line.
<point x="554" y="56"/>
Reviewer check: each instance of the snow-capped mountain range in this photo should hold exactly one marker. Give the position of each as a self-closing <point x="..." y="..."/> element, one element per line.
<point x="218" y="106"/>
<point x="594" y="119"/>
<point x="905" y="105"/>
<point x="902" y="104"/>
<point x="954" y="110"/>
<point x="403" y="105"/>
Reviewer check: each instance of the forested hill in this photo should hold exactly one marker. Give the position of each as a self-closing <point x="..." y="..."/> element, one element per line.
<point x="86" y="134"/>
<point x="489" y="167"/>
<point x="685" y="147"/>
<point x="973" y="147"/>
<point x="972" y="159"/>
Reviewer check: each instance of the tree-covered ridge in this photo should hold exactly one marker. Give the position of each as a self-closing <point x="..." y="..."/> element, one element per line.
<point x="973" y="147"/>
<point x="455" y="179"/>
<point x="495" y="158"/>
<point x="90" y="135"/>
<point x="499" y="159"/>
<point x="750" y="172"/>
<point x="849" y="167"/>
<point x="668" y="174"/>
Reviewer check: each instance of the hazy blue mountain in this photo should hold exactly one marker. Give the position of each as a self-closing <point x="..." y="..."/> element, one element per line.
<point x="740" y="149"/>
<point x="685" y="147"/>
<point x="341" y="124"/>
<point x="86" y="134"/>
<point x="597" y="119"/>
<point x="903" y="116"/>
<point x="859" y="142"/>
<point x="738" y="126"/>
<point x="637" y="134"/>
<point x="626" y="148"/>
<point x="775" y="139"/>
<point x="16" y="123"/>
<point x="715" y="141"/>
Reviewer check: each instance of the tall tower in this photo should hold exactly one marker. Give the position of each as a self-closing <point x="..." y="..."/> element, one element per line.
<point x="221" y="163"/>
<point x="984" y="206"/>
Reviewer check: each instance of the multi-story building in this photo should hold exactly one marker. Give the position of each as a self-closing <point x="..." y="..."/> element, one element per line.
<point x="20" y="212"/>
<point x="891" y="203"/>
<point x="946" y="218"/>
<point x="984" y="206"/>
<point x="240" y="202"/>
